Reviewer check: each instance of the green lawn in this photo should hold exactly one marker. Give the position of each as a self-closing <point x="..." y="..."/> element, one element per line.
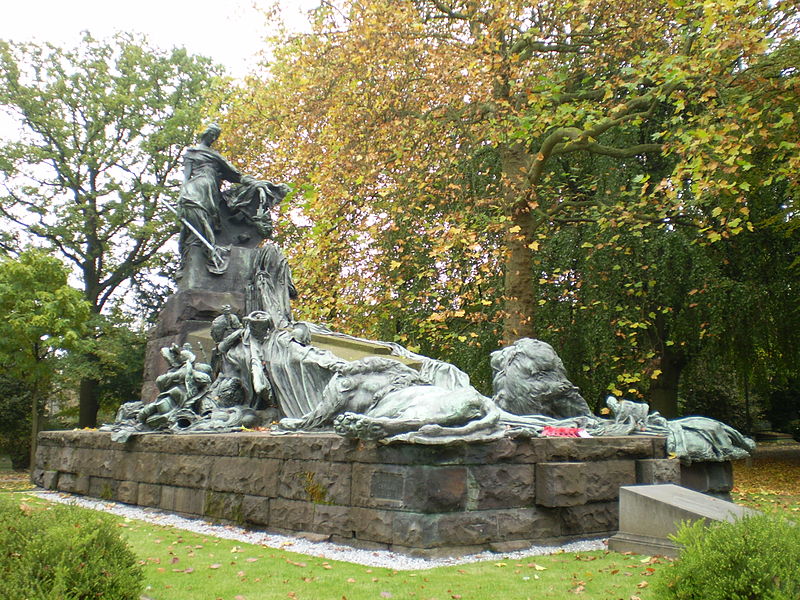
<point x="180" y="565"/>
<point x="184" y="565"/>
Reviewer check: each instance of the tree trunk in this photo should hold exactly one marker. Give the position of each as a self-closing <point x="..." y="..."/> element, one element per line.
<point x="520" y="291"/>
<point x="34" y="424"/>
<point x="664" y="391"/>
<point x="747" y="412"/>
<point x="519" y="282"/>
<point x="88" y="402"/>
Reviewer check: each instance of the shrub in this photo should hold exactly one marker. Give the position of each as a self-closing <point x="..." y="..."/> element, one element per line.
<point x="62" y="552"/>
<point x="754" y="558"/>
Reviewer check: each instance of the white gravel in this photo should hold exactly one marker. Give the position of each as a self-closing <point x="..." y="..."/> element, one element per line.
<point x="328" y="550"/>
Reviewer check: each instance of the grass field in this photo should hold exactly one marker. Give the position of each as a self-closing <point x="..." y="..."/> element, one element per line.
<point x="181" y="565"/>
<point x="187" y="566"/>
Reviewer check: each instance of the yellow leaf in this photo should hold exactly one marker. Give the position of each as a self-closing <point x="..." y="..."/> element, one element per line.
<point x="534" y="246"/>
<point x="656" y="374"/>
<point x="462" y="338"/>
<point x="515" y="229"/>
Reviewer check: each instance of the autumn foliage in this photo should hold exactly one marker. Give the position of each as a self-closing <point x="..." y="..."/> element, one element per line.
<point x="437" y="147"/>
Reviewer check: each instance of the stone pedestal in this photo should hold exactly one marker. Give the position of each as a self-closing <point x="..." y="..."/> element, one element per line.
<point x="427" y="500"/>
<point x="186" y="315"/>
<point x="196" y="277"/>
<point x="712" y="478"/>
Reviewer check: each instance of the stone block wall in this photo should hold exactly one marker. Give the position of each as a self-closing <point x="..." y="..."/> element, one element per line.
<point x="410" y="498"/>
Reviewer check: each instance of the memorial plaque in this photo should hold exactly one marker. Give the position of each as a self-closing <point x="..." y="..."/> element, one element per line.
<point x="387" y="486"/>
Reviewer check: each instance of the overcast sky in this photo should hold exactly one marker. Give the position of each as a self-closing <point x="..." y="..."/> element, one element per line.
<point x="229" y="31"/>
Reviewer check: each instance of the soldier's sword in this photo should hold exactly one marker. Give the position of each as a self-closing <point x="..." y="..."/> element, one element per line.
<point x="218" y="260"/>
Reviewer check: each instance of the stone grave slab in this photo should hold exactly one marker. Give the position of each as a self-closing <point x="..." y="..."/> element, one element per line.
<point x="649" y="514"/>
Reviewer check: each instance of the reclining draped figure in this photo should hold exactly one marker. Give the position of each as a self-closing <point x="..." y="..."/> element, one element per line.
<point x="261" y="367"/>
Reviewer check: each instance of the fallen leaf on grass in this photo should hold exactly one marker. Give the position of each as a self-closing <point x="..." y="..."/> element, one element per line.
<point x="642" y="585"/>
<point x="214" y="566"/>
<point x="296" y="564"/>
<point x="537" y="567"/>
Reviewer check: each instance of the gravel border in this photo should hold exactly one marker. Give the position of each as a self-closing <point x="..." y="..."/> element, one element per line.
<point x="328" y="550"/>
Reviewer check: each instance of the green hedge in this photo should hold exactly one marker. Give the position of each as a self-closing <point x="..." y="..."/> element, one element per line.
<point x="754" y="558"/>
<point x="62" y="552"/>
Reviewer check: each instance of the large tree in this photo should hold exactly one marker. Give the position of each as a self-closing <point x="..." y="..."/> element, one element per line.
<point x="439" y="143"/>
<point x="42" y="314"/>
<point x="101" y="130"/>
